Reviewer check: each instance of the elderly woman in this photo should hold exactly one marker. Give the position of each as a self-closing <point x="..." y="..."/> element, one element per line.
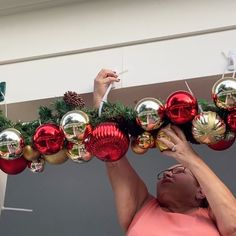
<point x="183" y="191"/>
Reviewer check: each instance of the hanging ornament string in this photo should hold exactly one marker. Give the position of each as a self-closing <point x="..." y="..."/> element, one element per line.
<point x="104" y="99"/>
<point x="234" y="65"/>
<point x="233" y="72"/>
<point x="188" y="87"/>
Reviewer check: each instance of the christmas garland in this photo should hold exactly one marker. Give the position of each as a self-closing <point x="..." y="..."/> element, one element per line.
<point x="67" y="129"/>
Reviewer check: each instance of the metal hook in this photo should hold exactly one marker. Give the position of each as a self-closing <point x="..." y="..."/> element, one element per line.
<point x="231" y="60"/>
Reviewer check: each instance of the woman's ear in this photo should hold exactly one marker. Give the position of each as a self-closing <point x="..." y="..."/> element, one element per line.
<point x="200" y="195"/>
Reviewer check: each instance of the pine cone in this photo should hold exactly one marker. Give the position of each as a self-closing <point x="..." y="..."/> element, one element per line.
<point x="74" y="99"/>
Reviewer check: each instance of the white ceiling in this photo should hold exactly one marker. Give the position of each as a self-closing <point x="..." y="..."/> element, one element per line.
<point x="14" y="6"/>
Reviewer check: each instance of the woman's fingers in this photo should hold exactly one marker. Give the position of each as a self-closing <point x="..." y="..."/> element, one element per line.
<point x="179" y="132"/>
<point x="109" y="80"/>
<point x="165" y="141"/>
<point x="106" y="73"/>
<point x="105" y="77"/>
<point x="102" y="81"/>
<point x="173" y="136"/>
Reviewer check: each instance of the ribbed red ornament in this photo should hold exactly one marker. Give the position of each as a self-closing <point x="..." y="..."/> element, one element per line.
<point x="88" y="132"/>
<point x="107" y="142"/>
<point x="13" y="167"/>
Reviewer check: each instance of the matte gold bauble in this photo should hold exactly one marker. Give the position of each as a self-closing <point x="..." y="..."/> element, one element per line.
<point x="159" y="144"/>
<point x="30" y="153"/>
<point x="58" y="158"/>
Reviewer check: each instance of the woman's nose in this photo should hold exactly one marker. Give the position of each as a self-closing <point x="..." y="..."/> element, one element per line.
<point x="168" y="173"/>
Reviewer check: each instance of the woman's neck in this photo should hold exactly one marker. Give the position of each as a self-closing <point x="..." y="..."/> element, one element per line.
<point x="178" y="207"/>
<point x="183" y="210"/>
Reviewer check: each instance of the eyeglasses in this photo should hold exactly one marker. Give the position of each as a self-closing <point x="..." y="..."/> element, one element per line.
<point x="175" y="170"/>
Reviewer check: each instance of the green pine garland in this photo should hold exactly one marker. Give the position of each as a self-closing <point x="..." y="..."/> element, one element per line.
<point x="116" y="112"/>
<point x="206" y="106"/>
<point x="4" y="122"/>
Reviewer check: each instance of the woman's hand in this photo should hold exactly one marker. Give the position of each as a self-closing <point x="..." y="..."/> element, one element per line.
<point x="104" y="78"/>
<point x="179" y="147"/>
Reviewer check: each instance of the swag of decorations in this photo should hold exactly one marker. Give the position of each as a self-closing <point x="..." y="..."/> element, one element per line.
<point x="70" y="130"/>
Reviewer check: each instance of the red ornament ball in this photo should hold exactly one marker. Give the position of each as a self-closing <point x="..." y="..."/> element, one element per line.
<point x="231" y="121"/>
<point x="88" y="132"/>
<point x="181" y="107"/>
<point x="13" y="167"/>
<point x="225" y="143"/>
<point x="107" y="142"/>
<point x="48" y="139"/>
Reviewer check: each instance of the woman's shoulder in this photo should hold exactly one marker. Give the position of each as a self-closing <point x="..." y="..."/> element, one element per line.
<point x="207" y="212"/>
<point x="148" y="203"/>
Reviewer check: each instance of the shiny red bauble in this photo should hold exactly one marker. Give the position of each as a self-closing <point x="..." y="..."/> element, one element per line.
<point x="181" y="107"/>
<point x="13" y="167"/>
<point x="225" y="143"/>
<point x="48" y="139"/>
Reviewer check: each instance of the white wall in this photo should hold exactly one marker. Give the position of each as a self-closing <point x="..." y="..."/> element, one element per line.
<point x="188" y="37"/>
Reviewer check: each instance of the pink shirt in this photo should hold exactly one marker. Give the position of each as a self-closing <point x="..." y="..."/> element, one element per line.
<point x="152" y="220"/>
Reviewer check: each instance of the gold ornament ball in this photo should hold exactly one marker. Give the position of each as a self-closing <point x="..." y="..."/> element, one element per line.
<point x="58" y="158"/>
<point x="78" y="153"/>
<point x="224" y="93"/>
<point x="145" y="140"/>
<point x="150" y="112"/>
<point x="136" y="148"/>
<point x="74" y="124"/>
<point x="208" y="128"/>
<point x="11" y="144"/>
<point x="30" y="153"/>
<point x="162" y="147"/>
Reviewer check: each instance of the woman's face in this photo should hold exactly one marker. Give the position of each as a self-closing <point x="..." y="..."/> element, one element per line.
<point x="177" y="183"/>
